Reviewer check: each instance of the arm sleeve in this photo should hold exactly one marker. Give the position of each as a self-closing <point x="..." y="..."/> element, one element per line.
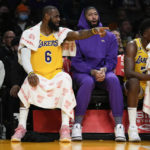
<point x="25" y="57"/>
<point x="111" y="57"/>
<point x="78" y="64"/>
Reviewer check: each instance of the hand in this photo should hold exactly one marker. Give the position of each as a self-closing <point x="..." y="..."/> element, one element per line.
<point x="33" y="79"/>
<point x="101" y="31"/>
<point x="101" y="76"/>
<point x="14" y="90"/>
<point x="98" y="74"/>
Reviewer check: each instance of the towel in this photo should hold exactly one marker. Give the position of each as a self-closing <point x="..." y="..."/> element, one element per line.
<point x="146" y="103"/>
<point x="50" y="94"/>
<point x="31" y="37"/>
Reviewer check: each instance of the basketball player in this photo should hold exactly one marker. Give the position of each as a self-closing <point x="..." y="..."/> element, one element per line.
<point x="46" y="85"/>
<point x="93" y="65"/>
<point x="135" y="63"/>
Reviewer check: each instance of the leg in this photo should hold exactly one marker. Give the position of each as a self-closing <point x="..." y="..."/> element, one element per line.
<point x="133" y="89"/>
<point x="86" y="84"/>
<point x="65" y="131"/>
<point x="112" y="85"/>
<point x="21" y="129"/>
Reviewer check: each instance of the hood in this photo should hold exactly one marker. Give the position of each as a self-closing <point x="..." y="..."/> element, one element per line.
<point x="83" y="24"/>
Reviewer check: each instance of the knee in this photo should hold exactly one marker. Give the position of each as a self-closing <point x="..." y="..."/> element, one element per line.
<point x="67" y="79"/>
<point x="112" y="80"/>
<point x="88" y="82"/>
<point x="67" y="76"/>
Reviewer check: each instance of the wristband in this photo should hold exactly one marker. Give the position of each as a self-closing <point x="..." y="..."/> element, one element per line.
<point x="93" y="31"/>
<point x="30" y="73"/>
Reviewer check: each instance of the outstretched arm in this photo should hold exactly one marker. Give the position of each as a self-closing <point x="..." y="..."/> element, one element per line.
<point x="130" y="63"/>
<point x="83" y="34"/>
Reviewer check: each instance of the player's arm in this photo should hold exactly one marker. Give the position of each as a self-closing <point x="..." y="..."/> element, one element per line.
<point x="83" y="34"/>
<point x="26" y="63"/>
<point x="129" y="63"/>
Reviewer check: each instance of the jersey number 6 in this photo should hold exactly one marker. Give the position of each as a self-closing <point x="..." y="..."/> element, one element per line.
<point x="48" y="57"/>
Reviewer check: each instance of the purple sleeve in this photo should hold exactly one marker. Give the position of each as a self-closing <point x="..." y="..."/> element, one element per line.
<point x="111" y="57"/>
<point x="78" y="64"/>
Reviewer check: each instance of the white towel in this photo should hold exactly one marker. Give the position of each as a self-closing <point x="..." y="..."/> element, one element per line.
<point x="31" y="37"/>
<point x="50" y="94"/>
<point x="146" y="103"/>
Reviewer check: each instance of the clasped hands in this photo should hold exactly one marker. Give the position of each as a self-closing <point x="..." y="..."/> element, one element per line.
<point x="99" y="74"/>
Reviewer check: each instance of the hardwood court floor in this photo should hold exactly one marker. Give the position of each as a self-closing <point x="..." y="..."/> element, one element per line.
<point x="84" y="145"/>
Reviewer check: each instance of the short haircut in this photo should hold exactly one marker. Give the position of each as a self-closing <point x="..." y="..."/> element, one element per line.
<point x="88" y="8"/>
<point x="6" y="33"/>
<point x="47" y="9"/>
<point x="144" y="26"/>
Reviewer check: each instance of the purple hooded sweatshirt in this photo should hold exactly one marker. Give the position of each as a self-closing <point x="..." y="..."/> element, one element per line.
<point x="94" y="52"/>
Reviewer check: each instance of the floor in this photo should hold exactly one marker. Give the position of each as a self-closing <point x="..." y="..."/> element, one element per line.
<point x="84" y="145"/>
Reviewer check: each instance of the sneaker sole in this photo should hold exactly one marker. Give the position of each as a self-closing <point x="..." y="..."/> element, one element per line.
<point x="15" y="140"/>
<point x="65" y="140"/>
<point x="120" y="139"/>
<point x="78" y="138"/>
<point x="134" y="140"/>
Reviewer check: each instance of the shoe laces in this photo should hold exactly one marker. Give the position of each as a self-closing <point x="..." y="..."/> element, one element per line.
<point x="64" y="129"/>
<point x="19" y="130"/>
<point x="77" y="126"/>
<point x="65" y="132"/>
<point x="120" y="128"/>
<point x="134" y="132"/>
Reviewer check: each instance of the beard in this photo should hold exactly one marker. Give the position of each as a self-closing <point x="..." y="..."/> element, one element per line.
<point x="52" y="26"/>
<point x="93" y="25"/>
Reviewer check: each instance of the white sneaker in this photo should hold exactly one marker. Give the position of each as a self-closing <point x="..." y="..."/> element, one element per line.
<point x="77" y="132"/>
<point x="119" y="133"/>
<point x="133" y="134"/>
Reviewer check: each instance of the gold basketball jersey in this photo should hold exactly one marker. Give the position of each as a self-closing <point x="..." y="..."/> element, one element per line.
<point x="140" y="60"/>
<point x="47" y="60"/>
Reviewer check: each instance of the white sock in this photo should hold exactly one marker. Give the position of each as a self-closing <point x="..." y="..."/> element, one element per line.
<point x="132" y="112"/>
<point x="23" y="116"/>
<point x="65" y="118"/>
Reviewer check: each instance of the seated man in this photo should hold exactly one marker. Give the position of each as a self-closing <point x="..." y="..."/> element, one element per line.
<point x="46" y="85"/>
<point x="135" y="63"/>
<point x="94" y="64"/>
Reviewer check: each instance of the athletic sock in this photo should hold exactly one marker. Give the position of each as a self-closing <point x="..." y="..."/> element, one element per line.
<point x="78" y="119"/>
<point x="118" y="120"/>
<point x="23" y="116"/>
<point x="132" y="112"/>
<point x="65" y="118"/>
